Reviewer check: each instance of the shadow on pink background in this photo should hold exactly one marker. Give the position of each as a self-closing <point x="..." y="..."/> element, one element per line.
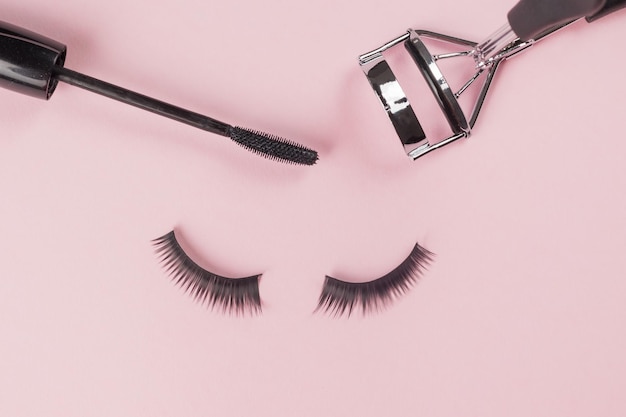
<point x="521" y="314"/>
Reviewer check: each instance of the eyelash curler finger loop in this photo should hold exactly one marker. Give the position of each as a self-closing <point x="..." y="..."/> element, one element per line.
<point x="528" y="22"/>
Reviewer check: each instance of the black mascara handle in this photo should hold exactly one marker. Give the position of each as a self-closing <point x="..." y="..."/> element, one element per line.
<point x="32" y="64"/>
<point x="141" y="101"/>
<point x="27" y="61"/>
<point x="610" y="7"/>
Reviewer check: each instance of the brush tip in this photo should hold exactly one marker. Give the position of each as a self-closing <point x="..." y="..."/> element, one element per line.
<point x="273" y="147"/>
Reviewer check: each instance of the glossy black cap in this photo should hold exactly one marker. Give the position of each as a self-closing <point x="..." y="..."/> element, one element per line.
<point x="27" y="61"/>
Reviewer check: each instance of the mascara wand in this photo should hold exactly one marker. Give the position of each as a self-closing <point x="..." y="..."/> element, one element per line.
<point x="33" y="65"/>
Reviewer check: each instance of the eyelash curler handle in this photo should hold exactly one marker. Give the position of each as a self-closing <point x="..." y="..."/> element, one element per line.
<point x="610" y="7"/>
<point x="530" y="18"/>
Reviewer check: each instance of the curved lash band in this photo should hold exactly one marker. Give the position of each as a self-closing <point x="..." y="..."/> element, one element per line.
<point x="231" y="295"/>
<point x="340" y="297"/>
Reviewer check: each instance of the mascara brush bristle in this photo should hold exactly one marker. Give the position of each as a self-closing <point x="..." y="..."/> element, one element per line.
<point x="273" y="147"/>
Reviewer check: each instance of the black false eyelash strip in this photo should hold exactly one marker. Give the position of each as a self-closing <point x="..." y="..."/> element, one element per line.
<point x="340" y="297"/>
<point x="231" y="295"/>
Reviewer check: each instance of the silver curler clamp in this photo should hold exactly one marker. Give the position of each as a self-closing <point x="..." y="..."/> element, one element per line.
<point x="396" y="103"/>
<point x="528" y="22"/>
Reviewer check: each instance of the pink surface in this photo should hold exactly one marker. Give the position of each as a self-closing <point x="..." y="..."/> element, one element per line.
<point x="522" y="314"/>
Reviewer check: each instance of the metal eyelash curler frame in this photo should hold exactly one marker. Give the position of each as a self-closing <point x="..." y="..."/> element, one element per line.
<point x="528" y="22"/>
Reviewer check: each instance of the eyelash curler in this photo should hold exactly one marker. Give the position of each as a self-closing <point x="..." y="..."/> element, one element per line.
<point x="528" y="22"/>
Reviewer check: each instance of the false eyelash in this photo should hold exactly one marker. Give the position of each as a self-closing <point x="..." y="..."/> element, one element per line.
<point x="231" y="295"/>
<point x="341" y="297"/>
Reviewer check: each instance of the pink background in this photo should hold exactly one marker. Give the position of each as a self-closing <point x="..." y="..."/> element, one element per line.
<point x="522" y="314"/>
